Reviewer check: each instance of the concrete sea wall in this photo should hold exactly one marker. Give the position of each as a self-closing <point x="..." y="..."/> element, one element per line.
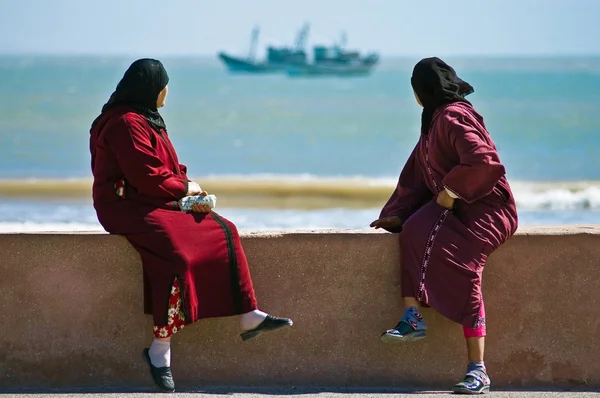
<point x="71" y="315"/>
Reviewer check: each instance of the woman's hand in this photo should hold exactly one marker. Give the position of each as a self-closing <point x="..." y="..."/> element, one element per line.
<point x="387" y="223"/>
<point x="193" y="189"/>
<point x="445" y="200"/>
<point x="199" y="207"/>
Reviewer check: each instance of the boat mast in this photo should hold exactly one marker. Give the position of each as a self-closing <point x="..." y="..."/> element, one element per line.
<point x="253" y="43"/>
<point x="343" y="40"/>
<point x="301" y="37"/>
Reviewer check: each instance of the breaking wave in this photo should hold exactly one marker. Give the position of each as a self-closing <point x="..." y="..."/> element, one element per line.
<point x="309" y="192"/>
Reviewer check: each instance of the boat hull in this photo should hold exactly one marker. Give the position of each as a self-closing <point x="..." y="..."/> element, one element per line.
<point x="241" y="65"/>
<point x="329" y="70"/>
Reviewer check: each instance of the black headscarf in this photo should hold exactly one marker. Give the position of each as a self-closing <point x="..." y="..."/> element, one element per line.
<point x="436" y="84"/>
<point x="139" y="88"/>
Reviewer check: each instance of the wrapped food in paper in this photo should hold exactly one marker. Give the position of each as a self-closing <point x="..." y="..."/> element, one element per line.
<point x="187" y="202"/>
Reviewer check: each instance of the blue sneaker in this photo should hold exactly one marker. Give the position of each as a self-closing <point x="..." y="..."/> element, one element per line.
<point x="475" y="382"/>
<point x="411" y="327"/>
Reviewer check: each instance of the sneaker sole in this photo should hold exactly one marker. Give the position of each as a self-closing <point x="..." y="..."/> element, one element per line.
<point x="466" y="391"/>
<point x="390" y="338"/>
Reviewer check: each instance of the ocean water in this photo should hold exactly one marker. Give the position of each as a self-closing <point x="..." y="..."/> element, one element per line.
<point x="543" y="114"/>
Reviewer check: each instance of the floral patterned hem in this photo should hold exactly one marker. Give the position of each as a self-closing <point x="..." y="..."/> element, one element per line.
<point x="176" y="317"/>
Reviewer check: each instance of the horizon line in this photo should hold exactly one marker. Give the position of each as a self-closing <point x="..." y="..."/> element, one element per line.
<point x="389" y="55"/>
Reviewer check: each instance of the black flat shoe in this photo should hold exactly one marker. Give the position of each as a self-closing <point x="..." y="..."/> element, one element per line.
<point x="162" y="376"/>
<point x="270" y="324"/>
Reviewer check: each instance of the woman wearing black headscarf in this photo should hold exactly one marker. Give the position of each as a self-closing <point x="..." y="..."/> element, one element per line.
<point x="194" y="266"/>
<point x="453" y="207"/>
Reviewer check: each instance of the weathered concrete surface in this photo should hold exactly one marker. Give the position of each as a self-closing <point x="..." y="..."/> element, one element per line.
<point x="71" y="316"/>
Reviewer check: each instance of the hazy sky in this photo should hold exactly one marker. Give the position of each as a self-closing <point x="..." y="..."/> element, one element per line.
<point x="393" y="27"/>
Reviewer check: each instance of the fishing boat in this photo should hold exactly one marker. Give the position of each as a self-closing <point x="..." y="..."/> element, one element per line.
<point x="335" y="61"/>
<point x="360" y="67"/>
<point x="277" y="60"/>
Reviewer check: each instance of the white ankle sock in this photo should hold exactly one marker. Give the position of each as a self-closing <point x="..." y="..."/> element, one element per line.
<point x="160" y="353"/>
<point x="251" y="320"/>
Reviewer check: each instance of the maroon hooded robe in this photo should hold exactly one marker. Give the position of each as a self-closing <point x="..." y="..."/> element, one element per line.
<point x="443" y="252"/>
<point x="202" y="250"/>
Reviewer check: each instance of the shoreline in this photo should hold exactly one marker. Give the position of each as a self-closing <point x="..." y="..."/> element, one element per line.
<point x="303" y="192"/>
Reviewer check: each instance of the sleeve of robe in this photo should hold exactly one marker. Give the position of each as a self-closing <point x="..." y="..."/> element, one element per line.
<point x="410" y="194"/>
<point x="479" y="169"/>
<point x="143" y="169"/>
<point x="183" y="169"/>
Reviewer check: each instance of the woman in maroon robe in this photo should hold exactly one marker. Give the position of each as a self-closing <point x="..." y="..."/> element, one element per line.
<point x="194" y="266"/>
<point x="453" y="207"/>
